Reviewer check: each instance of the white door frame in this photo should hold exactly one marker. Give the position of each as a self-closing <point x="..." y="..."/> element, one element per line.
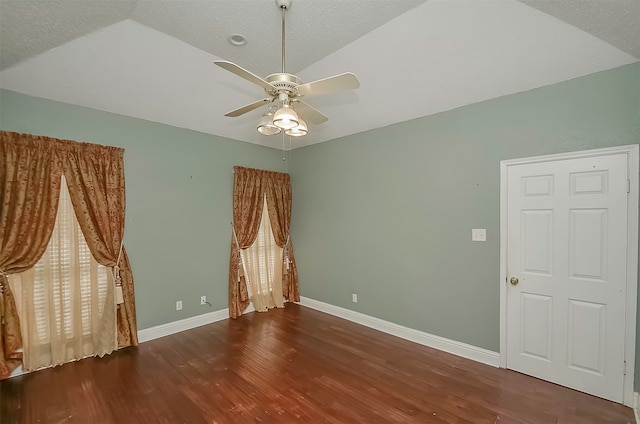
<point x="632" y="152"/>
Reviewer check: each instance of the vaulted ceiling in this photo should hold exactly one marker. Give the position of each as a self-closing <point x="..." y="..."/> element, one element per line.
<point x="153" y="59"/>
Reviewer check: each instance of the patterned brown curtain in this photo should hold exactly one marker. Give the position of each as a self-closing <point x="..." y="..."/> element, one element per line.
<point x="30" y="170"/>
<point x="248" y="201"/>
<point x="279" y="201"/>
<point x="249" y="189"/>
<point x="95" y="176"/>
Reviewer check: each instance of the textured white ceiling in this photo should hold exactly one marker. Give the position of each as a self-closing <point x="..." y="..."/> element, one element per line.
<point x="615" y="21"/>
<point x="153" y="59"/>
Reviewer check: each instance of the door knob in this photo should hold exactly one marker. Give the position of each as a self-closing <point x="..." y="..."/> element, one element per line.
<point x="514" y="281"/>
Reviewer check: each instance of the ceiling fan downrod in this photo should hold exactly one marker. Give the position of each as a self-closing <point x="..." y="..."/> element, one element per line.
<point x="283" y="5"/>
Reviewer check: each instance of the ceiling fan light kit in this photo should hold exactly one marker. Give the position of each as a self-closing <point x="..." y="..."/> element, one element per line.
<point x="285" y="118"/>
<point x="286" y="90"/>
<point x="266" y="126"/>
<point x="299" y="130"/>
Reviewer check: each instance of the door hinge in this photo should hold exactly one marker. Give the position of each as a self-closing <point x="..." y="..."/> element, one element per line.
<point x="624" y="368"/>
<point x="628" y="186"/>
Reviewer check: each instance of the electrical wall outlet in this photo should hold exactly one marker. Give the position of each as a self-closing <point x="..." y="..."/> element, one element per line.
<point x="203" y="300"/>
<point x="179" y="305"/>
<point x="354" y="298"/>
<point x="479" y="234"/>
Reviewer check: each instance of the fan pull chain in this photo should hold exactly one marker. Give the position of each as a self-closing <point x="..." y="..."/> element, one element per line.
<point x="284" y="158"/>
<point x="289" y="161"/>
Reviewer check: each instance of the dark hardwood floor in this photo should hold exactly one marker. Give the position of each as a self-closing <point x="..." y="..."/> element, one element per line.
<point x="289" y="366"/>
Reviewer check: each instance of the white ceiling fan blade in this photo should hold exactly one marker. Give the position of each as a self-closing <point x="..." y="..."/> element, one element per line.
<point x="309" y="113"/>
<point x="346" y="81"/>
<point x="241" y="72"/>
<point x="248" y="108"/>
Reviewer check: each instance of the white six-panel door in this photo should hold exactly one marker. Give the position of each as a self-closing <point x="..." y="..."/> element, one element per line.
<point x="567" y="264"/>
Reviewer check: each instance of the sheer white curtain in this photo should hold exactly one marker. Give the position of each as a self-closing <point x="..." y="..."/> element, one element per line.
<point x="66" y="301"/>
<point x="263" y="263"/>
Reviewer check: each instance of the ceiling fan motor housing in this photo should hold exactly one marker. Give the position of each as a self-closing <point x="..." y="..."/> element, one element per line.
<point x="283" y="83"/>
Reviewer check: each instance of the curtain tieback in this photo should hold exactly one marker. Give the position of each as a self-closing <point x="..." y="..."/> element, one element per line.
<point x="117" y="278"/>
<point x="240" y="270"/>
<point x="286" y="259"/>
<point x="240" y="262"/>
<point x="4" y="280"/>
<point x="118" y="281"/>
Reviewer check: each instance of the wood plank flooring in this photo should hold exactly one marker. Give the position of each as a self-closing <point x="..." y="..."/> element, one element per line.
<point x="293" y="365"/>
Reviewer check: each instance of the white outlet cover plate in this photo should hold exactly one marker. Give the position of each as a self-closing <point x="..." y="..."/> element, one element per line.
<point x="479" y="234"/>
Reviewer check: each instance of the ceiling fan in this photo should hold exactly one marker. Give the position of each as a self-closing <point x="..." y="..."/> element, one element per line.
<point x="286" y="91"/>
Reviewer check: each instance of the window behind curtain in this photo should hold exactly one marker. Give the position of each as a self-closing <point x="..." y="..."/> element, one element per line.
<point x="66" y="301"/>
<point x="263" y="261"/>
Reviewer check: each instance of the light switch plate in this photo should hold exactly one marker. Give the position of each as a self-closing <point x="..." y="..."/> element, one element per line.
<point x="479" y="234"/>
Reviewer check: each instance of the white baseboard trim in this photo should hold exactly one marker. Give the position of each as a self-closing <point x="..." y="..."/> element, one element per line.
<point x="451" y="346"/>
<point x="170" y="328"/>
<point x="636" y="396"/>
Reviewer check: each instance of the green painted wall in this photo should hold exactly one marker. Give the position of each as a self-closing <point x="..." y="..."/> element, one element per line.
<point x="388" y="213"/>
<point x="179" y="185"/>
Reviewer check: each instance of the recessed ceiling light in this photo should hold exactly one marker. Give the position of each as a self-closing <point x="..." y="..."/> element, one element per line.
<point x="237" y="39"/>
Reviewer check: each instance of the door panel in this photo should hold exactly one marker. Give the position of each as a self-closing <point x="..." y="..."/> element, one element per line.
<point x="587" y="244"/>
<point x="537" y="241"/>
<point x="536" y="326"/>
<point x="587" y="336"/>
<point x="567" y="246"/>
